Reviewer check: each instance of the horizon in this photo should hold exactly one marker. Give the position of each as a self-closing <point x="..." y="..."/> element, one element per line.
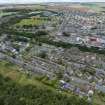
<point x="48" y="1"/>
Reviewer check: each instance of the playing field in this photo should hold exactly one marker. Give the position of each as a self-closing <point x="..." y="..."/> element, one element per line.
<point x="32" y="21"/>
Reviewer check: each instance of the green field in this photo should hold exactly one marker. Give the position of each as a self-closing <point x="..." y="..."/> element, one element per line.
<point x="6" y="13"/>
<point x="32" y="21"/>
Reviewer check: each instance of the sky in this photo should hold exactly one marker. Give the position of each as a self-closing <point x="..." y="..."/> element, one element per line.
<point x="33" y="1"/>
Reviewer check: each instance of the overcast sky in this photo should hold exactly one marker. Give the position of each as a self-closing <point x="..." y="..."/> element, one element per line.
<point x="33" y="1"/>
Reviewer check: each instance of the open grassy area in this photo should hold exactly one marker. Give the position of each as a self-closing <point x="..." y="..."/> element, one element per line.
<point x="32" y="21"/>
<point x="6" y="13"/>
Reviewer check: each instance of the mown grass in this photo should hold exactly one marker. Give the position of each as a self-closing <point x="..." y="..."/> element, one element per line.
<point x="32" y="21"/>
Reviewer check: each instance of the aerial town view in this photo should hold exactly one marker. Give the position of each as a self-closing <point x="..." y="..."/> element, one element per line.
<point x="52" y="53"/>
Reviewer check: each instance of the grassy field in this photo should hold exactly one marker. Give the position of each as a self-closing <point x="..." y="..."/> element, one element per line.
<point x="3" y="14"/>
<point x="32" y="21"/>
<point x="6" y="13"/>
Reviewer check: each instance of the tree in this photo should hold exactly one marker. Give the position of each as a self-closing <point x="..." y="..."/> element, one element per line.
<point x="43" y="54"/>
<point x="66" y="34"/>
